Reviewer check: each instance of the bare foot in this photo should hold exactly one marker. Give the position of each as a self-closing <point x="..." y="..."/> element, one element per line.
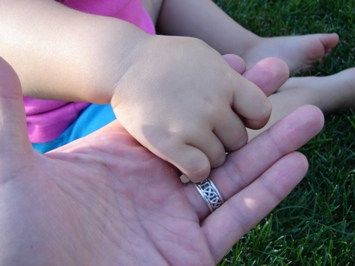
<point x="299" y="52"/>
<point x="330" y="93"/>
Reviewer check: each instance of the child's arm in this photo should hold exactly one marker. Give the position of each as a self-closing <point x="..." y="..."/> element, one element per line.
<point x="177" y="96"/>
<point x="60" y="53"/>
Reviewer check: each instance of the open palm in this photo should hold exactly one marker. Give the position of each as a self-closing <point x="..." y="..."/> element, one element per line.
<point x="106" y="200"/>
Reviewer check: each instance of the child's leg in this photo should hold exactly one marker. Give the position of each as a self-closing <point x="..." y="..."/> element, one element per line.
<point x="330" y="94"/>
<point x="203" y="19"/>
<point x="299" y="52"/>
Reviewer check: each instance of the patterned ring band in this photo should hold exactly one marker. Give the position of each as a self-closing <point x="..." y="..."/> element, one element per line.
<point x="210" y="194"/>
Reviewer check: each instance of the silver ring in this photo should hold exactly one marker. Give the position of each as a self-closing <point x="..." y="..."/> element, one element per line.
<point x="210" y="194"/>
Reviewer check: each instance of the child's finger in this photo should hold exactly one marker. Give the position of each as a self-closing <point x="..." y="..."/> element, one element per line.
<point x="212" y="147"/>
<point x="247" y="164"/>
<point x="235" y="62"/>
<point x="251" y="104"/>
<point x="13" y="130"/>
<point x="285" y="136"/>
<point x="246" y="208"/>
<point x="191" y="161"/>
<point x="231" y="131"/>
<point x="268" y="75"/>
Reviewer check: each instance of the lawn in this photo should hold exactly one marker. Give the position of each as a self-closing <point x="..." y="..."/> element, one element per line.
<point x="315" y="225"/>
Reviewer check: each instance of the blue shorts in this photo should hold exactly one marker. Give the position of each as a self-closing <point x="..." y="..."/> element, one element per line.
<point x="92" y="118"/>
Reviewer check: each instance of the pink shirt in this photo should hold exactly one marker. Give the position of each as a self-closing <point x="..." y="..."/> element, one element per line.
<point x="46" y="119"/>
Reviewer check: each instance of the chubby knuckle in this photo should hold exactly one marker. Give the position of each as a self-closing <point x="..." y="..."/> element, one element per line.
<point x="167" y="147"/>
<point x="265" y="110"/>
<point x="196" y="168"/>
<point x="219" y="159"/>
<point x="240" y="140"/>
<point x="198" y="172"/>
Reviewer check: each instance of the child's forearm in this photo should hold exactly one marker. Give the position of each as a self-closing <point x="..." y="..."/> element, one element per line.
<point x="204" y="20"/>
<point x="63" y="54"/>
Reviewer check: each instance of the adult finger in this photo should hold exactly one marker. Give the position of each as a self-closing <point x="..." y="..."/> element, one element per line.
<point x="244" y="210"/>
<point x="251" y="161"/>
<point x="13" y="130"/>
<point x="287" y="135"/>
<point x="268" y="74"/>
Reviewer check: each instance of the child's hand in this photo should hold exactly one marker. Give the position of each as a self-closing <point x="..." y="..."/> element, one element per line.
<point x="183" y="101"/>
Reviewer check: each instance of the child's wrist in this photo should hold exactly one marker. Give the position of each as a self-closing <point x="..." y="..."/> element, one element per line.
<point x="111" y="58"/>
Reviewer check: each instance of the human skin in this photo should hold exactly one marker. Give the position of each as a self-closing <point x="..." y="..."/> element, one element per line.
<point x="204" y="20"/>
<point x="163" y="89"/>
<point x="106" y="200"/>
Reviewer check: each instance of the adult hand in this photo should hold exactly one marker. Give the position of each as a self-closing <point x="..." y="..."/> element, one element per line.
<point x="106" y="200"/>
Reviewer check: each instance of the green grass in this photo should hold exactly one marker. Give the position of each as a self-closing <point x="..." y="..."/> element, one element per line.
<point x="315" y="224"/>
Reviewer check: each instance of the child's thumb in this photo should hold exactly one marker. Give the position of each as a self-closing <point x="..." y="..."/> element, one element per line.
<point x="235" y="62"/>
<point x="13" y="129"/>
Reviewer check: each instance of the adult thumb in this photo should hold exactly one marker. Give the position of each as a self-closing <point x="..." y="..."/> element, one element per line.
<point x="13" y="129"/>
<point x="269" y="74"/>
